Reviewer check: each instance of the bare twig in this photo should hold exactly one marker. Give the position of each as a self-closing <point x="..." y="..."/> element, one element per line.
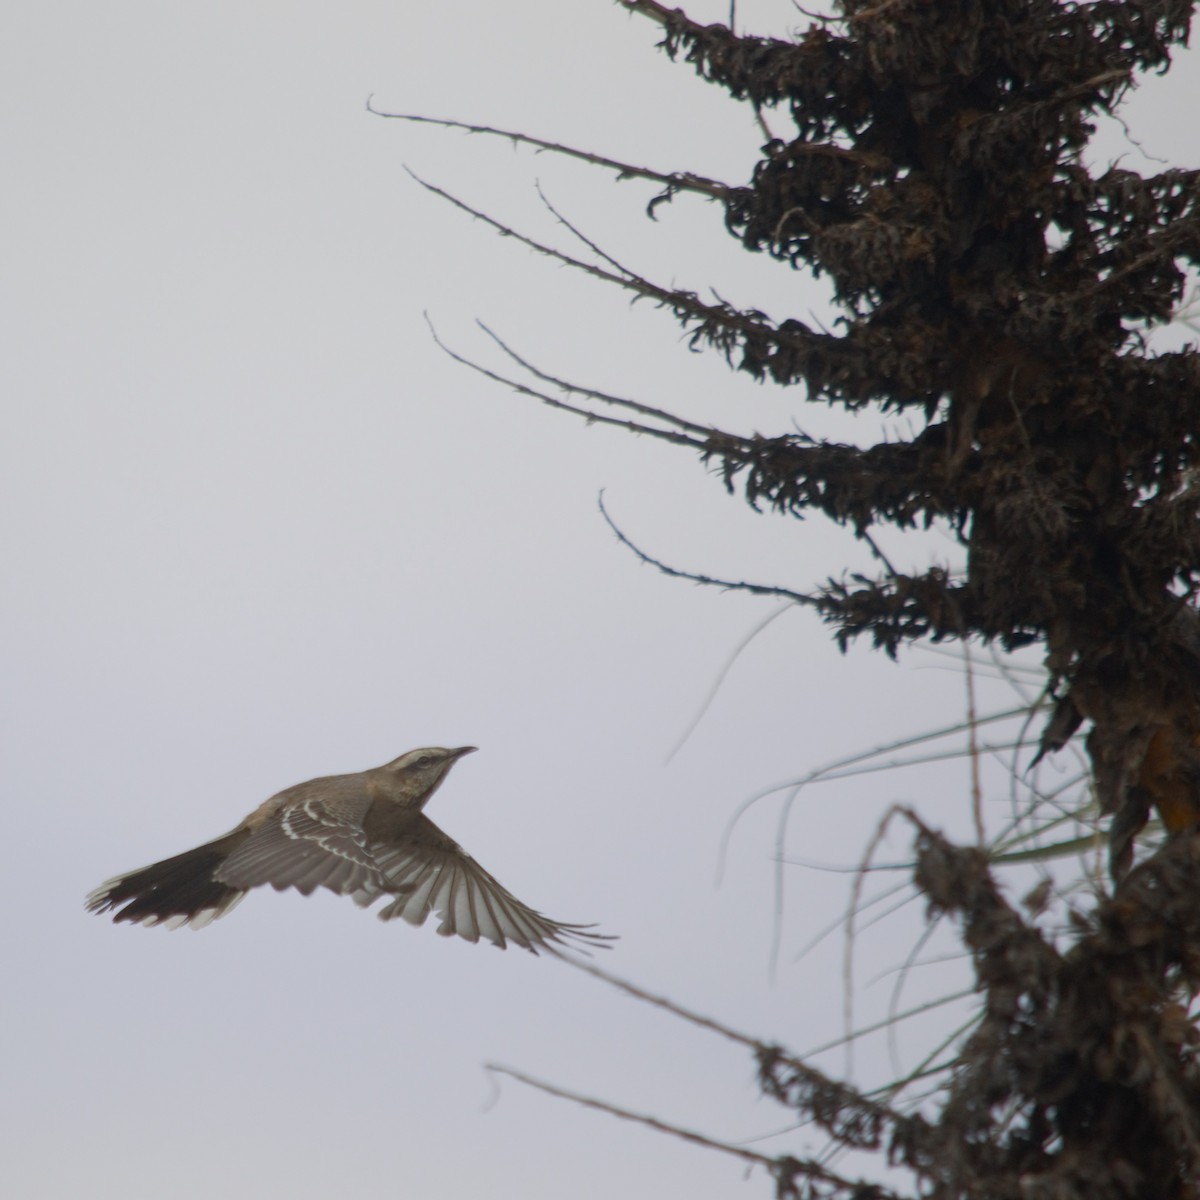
<point x="891" y="1019"/>
<point x="706" y="431"/>
<point x="784" y="1166"/>
<point x="674" y="181"/>
<point x="903" y="888"/>
<point x="847" y="1097"/>
<point x="686" y="305"/>
<point x="973" y="754"/>
<point x="687" y="1135"/>
<point x="588" y="415"/>
<point x="726" y="667"/>
<point x="847" y="767"/>
<point x="732" y="585"/>
<point x="852" y="910"/>
<point x="655" y="11"/>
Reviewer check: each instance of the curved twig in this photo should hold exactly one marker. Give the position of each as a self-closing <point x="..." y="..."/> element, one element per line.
<point x="732" y="585"/>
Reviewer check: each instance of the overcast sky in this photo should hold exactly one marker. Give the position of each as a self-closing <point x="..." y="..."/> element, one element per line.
<point x="257" y="528"/>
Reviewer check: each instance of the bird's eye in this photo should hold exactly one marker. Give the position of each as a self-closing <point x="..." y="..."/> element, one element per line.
<point x="423" y="760"/>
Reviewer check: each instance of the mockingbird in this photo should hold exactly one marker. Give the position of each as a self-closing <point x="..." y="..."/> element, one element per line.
<point x="363" y="835"/>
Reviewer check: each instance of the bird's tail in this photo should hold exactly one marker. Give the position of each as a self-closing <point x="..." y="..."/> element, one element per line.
<point x="177" y="891"/>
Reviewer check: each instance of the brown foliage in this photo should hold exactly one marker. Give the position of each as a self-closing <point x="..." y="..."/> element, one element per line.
<point x="993" y="288"/>
<point x="1081" y="1078"/>
<point x="995" y="292"/>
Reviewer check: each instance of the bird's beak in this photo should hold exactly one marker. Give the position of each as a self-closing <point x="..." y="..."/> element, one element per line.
<point x="463" y="750"/>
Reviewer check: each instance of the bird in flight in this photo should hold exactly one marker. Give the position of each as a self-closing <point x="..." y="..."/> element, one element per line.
<point x="360" y="835"/>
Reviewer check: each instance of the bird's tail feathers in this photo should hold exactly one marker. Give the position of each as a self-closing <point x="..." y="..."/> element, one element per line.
<point x="177" y="891"/>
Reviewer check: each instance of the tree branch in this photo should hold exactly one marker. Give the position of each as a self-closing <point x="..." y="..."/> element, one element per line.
<point x="722" y="326"/>
<point x="706" y="431"/>
<point x="674" y="181"/>
<point x="784" y="1169"/>
<point x="755" y="589"/>
<point x="523" y="389"/>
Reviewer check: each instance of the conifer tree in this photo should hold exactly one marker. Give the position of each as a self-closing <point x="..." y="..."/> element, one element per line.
<point x="996" y="292"/>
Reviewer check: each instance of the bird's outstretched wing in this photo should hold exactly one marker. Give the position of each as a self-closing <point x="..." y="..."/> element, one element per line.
<point x="309" y="843"/>
<point x="313" y="841"/>
<point x="429" y="872"/>
<point x="295" y="840"/>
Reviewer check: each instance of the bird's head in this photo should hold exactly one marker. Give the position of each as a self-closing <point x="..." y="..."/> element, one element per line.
<point x="419" y="772"/>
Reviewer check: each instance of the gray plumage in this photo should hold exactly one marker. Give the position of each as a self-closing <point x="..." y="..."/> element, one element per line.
<point x="361" y="835"/>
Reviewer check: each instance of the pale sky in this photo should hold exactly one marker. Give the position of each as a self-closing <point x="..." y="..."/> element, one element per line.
<point x="257" y="528"/>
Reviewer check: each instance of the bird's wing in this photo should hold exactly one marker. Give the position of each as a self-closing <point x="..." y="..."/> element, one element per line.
<point x="432" y="873"/>
<point x="309" y="842"/>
